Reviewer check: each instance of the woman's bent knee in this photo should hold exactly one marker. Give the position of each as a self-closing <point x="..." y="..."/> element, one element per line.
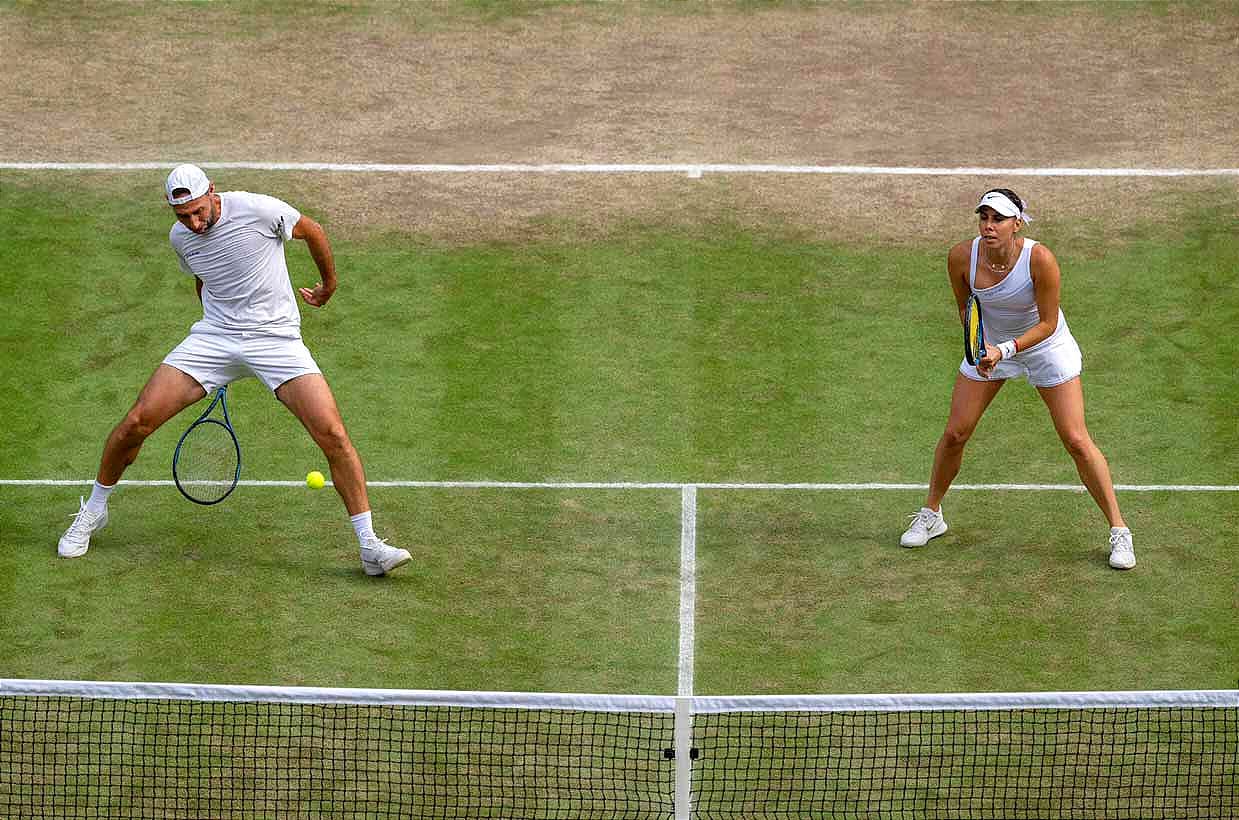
<point x="1081" y="447"/>
<point x="955" y="439"/>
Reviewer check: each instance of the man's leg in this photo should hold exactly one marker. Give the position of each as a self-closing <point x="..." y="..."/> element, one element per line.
<point x="310" y="399"/>
<point x="167" y="392"/>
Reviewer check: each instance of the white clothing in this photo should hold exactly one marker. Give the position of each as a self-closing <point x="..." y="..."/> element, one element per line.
<point x="216" y="358"/>
<point x="1044" y="365"/>
<point x="1008" y="309"/>
<point x="250" y="323"/>
<point x="240" y="260"/>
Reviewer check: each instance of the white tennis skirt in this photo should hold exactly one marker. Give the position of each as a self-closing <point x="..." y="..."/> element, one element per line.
<point x="1046" y="364"/>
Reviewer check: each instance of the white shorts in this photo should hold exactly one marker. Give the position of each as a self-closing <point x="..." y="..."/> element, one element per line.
<point x="216" y="358"/>
<point x="1046" y="364"/>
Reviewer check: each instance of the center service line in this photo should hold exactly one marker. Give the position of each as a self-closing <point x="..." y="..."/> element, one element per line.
<point x="688" y="587"/>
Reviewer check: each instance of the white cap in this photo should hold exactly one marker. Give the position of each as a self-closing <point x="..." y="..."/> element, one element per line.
<point x="187" y="177"/>
<point x="1002" y="204"/>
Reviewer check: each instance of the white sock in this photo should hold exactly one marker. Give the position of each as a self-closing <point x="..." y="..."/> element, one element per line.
<point x="98" y="501"/>
<point x="362" y="526"/>
<point x="1117" y="530"/>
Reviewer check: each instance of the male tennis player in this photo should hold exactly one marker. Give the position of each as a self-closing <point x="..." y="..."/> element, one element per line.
<point x="1017" y="281"/>
<point x="232" y="243"/>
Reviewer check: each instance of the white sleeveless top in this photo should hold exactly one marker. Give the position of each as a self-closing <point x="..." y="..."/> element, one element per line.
<point x="1009" y="308"/>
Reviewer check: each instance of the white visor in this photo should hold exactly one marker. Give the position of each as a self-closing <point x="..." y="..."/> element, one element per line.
<point x="1002" y="204"/>
<point x="187" y="177"/>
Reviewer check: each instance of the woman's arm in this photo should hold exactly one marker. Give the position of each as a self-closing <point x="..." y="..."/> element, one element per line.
<point x="957" y="263"/>
<point x="1046" y="283"/>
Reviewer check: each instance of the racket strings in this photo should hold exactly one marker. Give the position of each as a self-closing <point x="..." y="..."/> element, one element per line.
<point x="207" y="462"/>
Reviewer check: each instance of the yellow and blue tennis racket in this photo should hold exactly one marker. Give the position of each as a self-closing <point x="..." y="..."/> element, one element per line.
<point x="974" y="331"/>
<point x="207" y="463"/>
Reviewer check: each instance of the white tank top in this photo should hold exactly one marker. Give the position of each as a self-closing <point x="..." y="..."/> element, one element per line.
<point x="1009" y="308"/>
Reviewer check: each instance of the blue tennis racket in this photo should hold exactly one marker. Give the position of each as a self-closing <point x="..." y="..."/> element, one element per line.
<point x="974" y="331"/>
<point x="207" y="463"/>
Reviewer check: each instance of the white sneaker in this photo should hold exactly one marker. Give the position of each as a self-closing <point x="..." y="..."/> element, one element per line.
<point x="76" y="540"/>
<point x="379" y="558"/>
<point x="1122" y="554"/>
<point x="925" y="525"/>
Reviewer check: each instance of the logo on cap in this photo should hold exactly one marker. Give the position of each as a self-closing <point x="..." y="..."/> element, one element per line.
<point x="1003" y="204"/>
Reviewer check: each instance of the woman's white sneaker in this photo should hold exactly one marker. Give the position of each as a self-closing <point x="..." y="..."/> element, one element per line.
<point x="1122" y="553"/>
<point x="925" y="525"/>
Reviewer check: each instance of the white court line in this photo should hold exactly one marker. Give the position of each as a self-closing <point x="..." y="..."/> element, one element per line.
<point x="691" y="169"/>
<point x="665" y="485"/>
<point x="688" y="587"/>
<point x="683" y="740"/>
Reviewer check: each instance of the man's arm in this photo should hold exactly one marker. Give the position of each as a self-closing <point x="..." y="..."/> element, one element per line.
<point x="315" y="237"/>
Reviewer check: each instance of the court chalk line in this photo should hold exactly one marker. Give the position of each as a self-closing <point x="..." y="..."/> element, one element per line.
<point x="663" y="485"/>
<point x="688" y="587"/>
<point x="692" y="170"/>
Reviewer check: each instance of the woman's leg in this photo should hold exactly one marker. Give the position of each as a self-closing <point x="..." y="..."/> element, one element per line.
<point x="1066" y="404"/>
<point x="969" y="399"/>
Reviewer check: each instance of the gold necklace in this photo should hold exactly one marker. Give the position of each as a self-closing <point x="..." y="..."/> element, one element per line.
<point x="998" y="268"/>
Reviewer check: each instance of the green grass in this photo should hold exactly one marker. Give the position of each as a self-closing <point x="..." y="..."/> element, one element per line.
<point x="804" y="592"/>
<point x="721" y="355"/>
<point x="520" y="591"/>
<point x="645" y="357"/>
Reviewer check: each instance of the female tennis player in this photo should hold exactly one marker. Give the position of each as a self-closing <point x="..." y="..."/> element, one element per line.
<point x="1017" y="282"/>
<point x="232" y="244"/>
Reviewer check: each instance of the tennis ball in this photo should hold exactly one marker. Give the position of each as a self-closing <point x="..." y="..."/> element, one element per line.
<point x="314" y="480"/>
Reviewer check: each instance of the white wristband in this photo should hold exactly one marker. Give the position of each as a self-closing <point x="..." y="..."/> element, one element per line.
<point x="1007" y="348"/>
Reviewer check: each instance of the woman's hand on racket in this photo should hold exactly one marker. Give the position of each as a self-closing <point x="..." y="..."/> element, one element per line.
<point x="991" y="358"/>
<point x="316" y="296"/>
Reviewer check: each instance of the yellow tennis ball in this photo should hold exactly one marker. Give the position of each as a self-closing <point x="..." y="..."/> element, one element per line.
<point x="314" y="480"/>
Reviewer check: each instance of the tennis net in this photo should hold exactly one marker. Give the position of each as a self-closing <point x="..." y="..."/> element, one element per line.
<point x="172" y="750"/>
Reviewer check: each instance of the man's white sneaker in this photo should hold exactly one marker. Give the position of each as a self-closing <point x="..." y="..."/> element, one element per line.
<point x="1122" y="554"/>
<point x="379" y="558"/>
<point x="76" y="540"/>
<point x="925" y="525"/>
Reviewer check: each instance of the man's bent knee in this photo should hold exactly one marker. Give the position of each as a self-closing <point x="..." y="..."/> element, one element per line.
<point x="135" y="428"/>
<point x="334" y="441"/>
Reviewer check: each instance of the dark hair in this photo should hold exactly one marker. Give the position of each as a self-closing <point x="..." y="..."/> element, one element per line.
<point x="1009" y="194"/>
